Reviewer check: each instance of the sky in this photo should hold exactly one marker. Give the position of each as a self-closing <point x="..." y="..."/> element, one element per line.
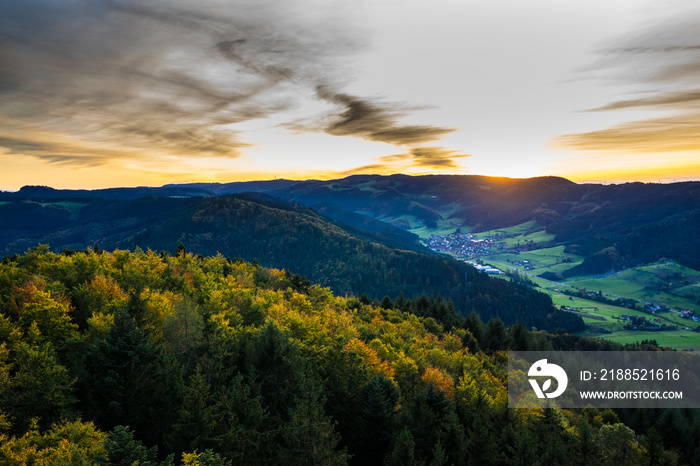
<point x="103" y="93"/>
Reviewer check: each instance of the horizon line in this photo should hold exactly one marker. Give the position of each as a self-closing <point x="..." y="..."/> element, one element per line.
<point x="666" y="180"/>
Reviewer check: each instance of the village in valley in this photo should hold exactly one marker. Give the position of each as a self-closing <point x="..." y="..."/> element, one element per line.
<point x="526" y="255"/>
<point x="467" y="246"/>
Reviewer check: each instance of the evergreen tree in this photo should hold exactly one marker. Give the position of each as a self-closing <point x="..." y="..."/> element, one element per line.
<point x="586" y="446"/>
<point x="520" y="337"/>
<point x="386" y="303"/>
<point x="401" y="302"/>
<point x="195" y="424"/>
<point x="496" y="337"/>
<point x="133" y="383"/>
<point x="403" y="453"/>
<point x="654" y="447"/>
<point x="122" y="448"/>
<point x="243" y="430"/>
<point x="439" y="456"/>
<point x="552" y="437"/>
<point x="475" y="325"/>
<point x="375" y="429"/>
<point x="309" y="436"/>
<point x="278" y="368"/>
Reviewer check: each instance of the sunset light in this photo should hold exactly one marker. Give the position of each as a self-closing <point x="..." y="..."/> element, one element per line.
<point x="125" y="94"/>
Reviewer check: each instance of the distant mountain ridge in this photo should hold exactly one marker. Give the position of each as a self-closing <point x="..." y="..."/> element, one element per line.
<point x="612" y="226"/>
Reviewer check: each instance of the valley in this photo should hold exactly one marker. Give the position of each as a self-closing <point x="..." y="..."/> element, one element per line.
<point x="664" y="293"/>
<point x="591" y="249"/>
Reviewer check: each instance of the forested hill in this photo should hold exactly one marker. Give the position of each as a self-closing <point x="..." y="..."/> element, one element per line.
<point x="298" y="239"/>
<point x="612" y="226"/>
<point x="129" y="358"/>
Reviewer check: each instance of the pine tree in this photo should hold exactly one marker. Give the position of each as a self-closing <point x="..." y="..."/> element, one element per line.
<point x="386" y="303"/>
<point x="122" y="448"/>
<point x="134" y="384"/>
<point x="439" y="456"/>
<point x="195" y="424"/>
<point x="475" y="325"/>
<point x="379" y="397"/>
<point x="309" y="436"/>
<point x="403" y="453"/>
<point x="496" y="336"/>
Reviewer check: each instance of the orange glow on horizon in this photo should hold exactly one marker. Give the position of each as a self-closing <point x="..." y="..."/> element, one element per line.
<point x="623" y="168"/>
<point x="19" y="171"/>
<point x="88" y="178"/>
<point x="654" y="175"/>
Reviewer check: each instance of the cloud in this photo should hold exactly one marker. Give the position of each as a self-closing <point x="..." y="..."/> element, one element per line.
<point x="669" y="100"/>
<point x="375" y="121"/>
<point x="649" y="49"/>
<point x="417" y="159"/>
<point x="172" y="78"/>
<point x="59" y="151"/>
<point x="87" y="83"/>
<point x="371" y="169"/>
<point x="673" y="134"/>
<point x="380" y="122"/>
<point x="434" y="157"/>
<point x="662" y="65"/>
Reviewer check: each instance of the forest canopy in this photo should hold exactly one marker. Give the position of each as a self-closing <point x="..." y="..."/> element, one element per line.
<point x="148" y="358"/>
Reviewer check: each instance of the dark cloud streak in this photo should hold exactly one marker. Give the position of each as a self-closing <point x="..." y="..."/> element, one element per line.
<point x="673" y="99"/>
<point x="374" y="121"/>
<point x="420" y="158"/>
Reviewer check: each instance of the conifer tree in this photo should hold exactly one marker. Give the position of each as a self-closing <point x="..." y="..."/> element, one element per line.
<point x="134" y="384"/>
<point x="375" y="430"/>
<point x="403" y="453"/>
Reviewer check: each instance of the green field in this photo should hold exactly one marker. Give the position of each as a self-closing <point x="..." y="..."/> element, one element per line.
<point x="681" y="339"/>
<point x="618" y="285"/>
<point x="665" y="283"/>
<point x="611" y="285"/>
<point x="514" y="231"/>
<point x="606" y="317"/>
<point x="72" y="207"/>
<point x="445" y="225"/>
<point x="368" y="187"/>
<point x="536" y="237"/>
<point x="552" y="259"/>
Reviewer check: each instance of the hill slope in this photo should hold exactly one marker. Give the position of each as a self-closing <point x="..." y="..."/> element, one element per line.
<point x="613" y="227"/>
<point x="298" y="239"/>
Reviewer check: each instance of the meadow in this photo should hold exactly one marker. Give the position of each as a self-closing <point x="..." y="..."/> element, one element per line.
<point x="663" y="283"/>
